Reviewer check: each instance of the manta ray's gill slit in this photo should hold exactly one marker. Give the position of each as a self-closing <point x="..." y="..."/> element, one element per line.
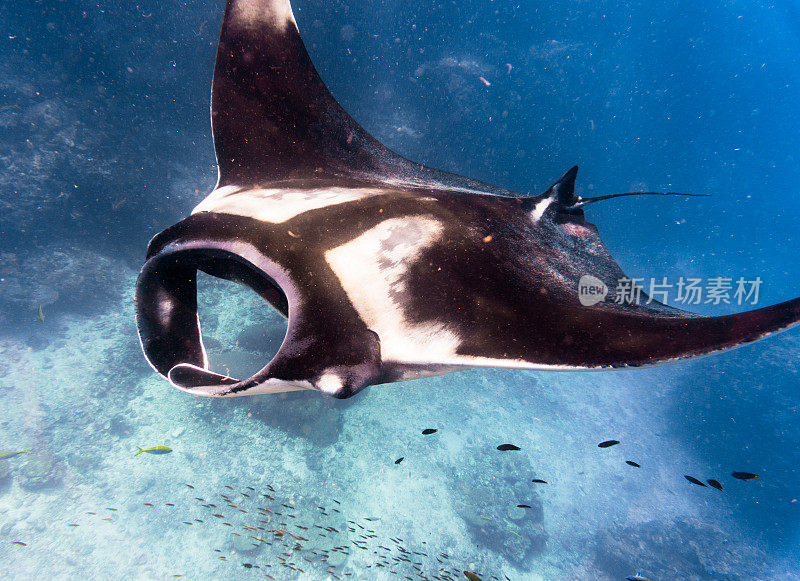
<point x="241" y="331"/>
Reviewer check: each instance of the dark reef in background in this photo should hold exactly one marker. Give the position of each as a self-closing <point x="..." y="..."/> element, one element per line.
<point x="682" y="550"/>
<point x="485" y="492"/>
<point x="93" y="134"/>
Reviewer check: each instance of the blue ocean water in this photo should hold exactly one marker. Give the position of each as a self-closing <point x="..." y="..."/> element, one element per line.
<point x="105" y="140"/>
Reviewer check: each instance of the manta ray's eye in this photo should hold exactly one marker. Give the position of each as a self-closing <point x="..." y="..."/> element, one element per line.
<point x="241" y="332"/>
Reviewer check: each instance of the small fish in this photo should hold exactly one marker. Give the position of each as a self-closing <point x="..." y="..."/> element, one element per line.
<point x="12" y="453"/>
<point x="523" y="506"/>
<point x="608" y="443"/>
<point x="154" y="450"/>
<point x="507" y="447"/>
<point x="693" y="480"/>
<point x="429" y="431"/>
<point x="190" y="486"/>
<point x="400" y="459"/>
<point x="485" y="82"/>
<point x="40" y="314"/>
<point x="744" y="475"/>
<point x="716" y="484"/>
<point x="539" y="481"/>
<point x="119" y="204"/>
<point x="149" y="504"/>
<point x="20" y="543"/>
<point x="632" y="463"/>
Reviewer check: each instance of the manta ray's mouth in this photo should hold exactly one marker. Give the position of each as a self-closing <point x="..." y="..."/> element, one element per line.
<point x="167" y="310"/>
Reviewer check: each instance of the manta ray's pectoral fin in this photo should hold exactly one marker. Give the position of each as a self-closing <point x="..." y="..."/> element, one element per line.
<point x="547" y="327"/>
<point x="275" y="120"/>
<point x="327" y="347"/>
<point x="601" y="337"/>
<point x="546" y="293"/>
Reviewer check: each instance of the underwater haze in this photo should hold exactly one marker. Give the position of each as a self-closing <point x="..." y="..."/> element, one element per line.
<point x="107" y="471"/>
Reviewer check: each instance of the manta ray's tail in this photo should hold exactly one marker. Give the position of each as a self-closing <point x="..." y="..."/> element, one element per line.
<point x="581" y="202"/>
<point x="563" y="192"/>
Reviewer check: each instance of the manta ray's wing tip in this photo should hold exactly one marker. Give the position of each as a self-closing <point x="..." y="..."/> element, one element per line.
<point x="199" y="381"/>
<point x="668" y="340"/>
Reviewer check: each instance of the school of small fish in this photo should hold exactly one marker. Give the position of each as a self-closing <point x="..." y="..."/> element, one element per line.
<point x="277" y="524"/>
<point x="292" y="537"/>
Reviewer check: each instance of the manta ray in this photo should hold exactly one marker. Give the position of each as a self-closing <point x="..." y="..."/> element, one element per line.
<point x="386" y="269"/>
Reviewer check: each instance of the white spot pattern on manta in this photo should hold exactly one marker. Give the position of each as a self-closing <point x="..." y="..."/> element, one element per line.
<point x="330" y="383"/>
<point x="256" y="13"/>
<point x="540" y="208"/>
<point x="372" y="269"/>
<point x="276" y="205"/>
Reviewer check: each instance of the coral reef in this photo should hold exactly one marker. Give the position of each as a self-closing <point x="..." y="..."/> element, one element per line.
<point x="57" y="279"/>
<point x="486" y="492"/>
<point x="692" y="549"/>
